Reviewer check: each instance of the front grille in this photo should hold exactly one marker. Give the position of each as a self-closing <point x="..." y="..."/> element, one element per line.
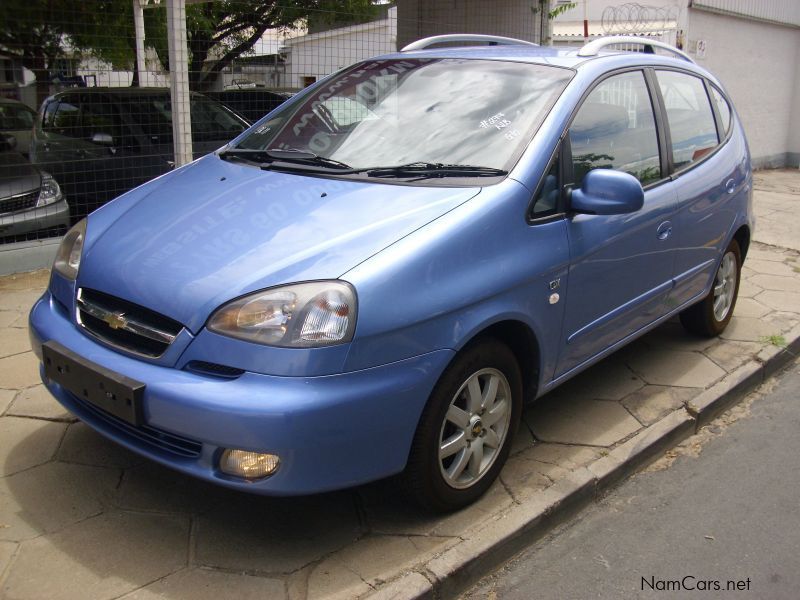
<point x="124" y="324"/>
<point x="168" y="442"/>
<point x="18" y="203"/>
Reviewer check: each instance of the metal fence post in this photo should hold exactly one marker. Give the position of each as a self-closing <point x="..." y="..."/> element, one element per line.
<point x="179" y="81"/>
<point x="138" y="25"/>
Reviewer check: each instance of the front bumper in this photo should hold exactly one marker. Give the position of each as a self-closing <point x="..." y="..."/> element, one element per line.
<point x="330" y="432"/>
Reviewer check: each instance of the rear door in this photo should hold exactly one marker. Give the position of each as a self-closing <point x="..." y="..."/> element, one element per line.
<point x="620" y="265"/>
<point x="708" y="182"/>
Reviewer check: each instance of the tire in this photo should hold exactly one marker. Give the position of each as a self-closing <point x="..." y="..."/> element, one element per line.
<point x="710" y="316"/>
<point x="477" y="428"/>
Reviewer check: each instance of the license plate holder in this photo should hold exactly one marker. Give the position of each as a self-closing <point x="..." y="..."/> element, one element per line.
<point x="116" y="394"/>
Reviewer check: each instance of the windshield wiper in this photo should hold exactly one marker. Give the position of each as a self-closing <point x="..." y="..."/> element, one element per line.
<point x="280" y="157"/>
<point x="427" y="169"/>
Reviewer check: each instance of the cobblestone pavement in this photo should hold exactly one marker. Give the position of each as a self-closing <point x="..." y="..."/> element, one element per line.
<point x="81" y="518"/>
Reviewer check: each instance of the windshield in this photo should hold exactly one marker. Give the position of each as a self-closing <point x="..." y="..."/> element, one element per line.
<point x="394" y="112"/>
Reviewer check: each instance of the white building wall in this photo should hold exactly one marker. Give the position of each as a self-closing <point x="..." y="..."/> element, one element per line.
<point x="757" y="63"/>
<point x="319" y="54"/>
<point x="794" y="133"/>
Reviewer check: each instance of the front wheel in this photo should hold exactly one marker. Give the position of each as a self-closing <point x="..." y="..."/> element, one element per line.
<point x="711" y="316"/>
<point x="465" y="432"/>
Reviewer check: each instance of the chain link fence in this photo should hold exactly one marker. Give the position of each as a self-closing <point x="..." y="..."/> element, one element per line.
<point x="100" y="96"/>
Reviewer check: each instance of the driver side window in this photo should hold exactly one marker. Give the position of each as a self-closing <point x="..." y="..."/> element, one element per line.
<point x="615" y="129"/>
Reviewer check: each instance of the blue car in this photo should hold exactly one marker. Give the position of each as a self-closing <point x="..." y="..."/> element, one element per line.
<point x="373" y="278"/>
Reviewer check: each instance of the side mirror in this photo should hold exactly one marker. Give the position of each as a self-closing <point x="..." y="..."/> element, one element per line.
<point x="607" y="192"/>
<point x="7" y="142"/>
<point x="103" y="139"/>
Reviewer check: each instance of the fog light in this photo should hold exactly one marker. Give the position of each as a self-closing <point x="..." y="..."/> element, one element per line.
<point x="250" y="465"/>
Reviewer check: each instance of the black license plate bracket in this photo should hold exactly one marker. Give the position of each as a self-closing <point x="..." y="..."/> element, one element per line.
<point x="116" y="394"/>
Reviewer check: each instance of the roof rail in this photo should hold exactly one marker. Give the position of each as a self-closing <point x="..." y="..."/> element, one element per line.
<point x="492" y="40"/>
<point x="593" y="47"/>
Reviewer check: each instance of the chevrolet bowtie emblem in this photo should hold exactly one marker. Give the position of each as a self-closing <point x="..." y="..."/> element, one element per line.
<point x="115" y="320"/>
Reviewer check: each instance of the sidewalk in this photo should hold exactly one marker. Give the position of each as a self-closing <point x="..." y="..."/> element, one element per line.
<point x="81" y="518"/>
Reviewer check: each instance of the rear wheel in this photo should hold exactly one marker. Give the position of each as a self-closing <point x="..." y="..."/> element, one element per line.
<point x="711" y="316"/>
<point x="465" y="432"/>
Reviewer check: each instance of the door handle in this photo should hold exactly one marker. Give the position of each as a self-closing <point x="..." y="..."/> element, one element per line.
<point x="664" y="230"/>
<point x="730" y="186"/>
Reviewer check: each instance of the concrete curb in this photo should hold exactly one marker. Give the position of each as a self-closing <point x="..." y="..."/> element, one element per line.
<point x="485" y="549"/>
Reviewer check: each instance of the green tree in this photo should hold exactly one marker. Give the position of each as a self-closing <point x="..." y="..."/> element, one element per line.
<point x="33" y="31"/>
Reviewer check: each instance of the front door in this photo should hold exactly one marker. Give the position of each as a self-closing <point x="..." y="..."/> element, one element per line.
<point x="620" y="265"/>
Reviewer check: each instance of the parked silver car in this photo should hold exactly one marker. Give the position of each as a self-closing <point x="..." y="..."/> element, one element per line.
<point x="17" y="119"/>
<point x="31" y="202"/>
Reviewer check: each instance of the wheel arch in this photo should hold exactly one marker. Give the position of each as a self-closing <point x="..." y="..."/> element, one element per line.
<point x="742" y="237"/>
<point x="522" y="342"/>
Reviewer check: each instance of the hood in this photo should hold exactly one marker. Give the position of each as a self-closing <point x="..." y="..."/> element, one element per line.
<point x="217" y="230"/>
<point x="17" y="175"/>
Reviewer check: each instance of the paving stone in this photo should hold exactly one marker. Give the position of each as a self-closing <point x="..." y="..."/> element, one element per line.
<point x="777" y="282"/>
<point x="673" y="335"/>
<point x="731" y="354"/>
<point x="611" y="379"/>
<point x="409" y="586"/>
<point x="746" y="329"/>
<point x="673" y="367"/>
<point x="788" y="301"/>
<point x="523" y="439"/>
<point x="19" y="371"/>
<point x="376" y="559"/>
<point x="275" y="535"/>
<point x="538" y="468"/>
<point x="769" y="267"/>
<point x="748" y="307"/>
<point x="758" y="252"/>
<point x="748" y="289"/>
<point x="13" y="341"/>
<point x="205" y="584"/>
<point x="37" y="402"/>
<point x="152" y="487"/>
<point x="27" y="443"/>
<point x="30" y="280"/>
<point x="7" y="550"/>
<point x="580" y="421"/>
<point x="6" y="397"/>
<point x="20" y="301"/>
<point x="331" y="580"/>
<point x="85" y="446"/>
<point x="51" y="497"/>
<point x="653" y="402"/>
<point x="102" y="557"/>
<point x="387" y="512"/>
<point x="9" y="317"/>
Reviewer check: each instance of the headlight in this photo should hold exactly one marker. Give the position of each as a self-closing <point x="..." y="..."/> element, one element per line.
<point x="304" y="315"/>
<point x="68" y="258"/>
<point x="50" y="192"/>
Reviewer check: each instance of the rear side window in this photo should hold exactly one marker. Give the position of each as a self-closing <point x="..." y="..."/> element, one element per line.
<point x="689" y="115"/>
<point x="724" y="110"/>
<point x="615" y="129"/>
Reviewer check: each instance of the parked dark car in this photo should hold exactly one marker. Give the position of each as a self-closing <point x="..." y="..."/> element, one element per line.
<point x="253" y="103"/>
<point x="101" y="142"/>
<point x="31" y="202"/>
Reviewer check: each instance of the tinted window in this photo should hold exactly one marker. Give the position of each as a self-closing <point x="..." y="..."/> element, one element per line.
<point x="67" y="120"/>
<point x="691" y="121"/>
<point x="724" y="109"/>
<point x="615" y="129"/>
<point x="15" y="117"/>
